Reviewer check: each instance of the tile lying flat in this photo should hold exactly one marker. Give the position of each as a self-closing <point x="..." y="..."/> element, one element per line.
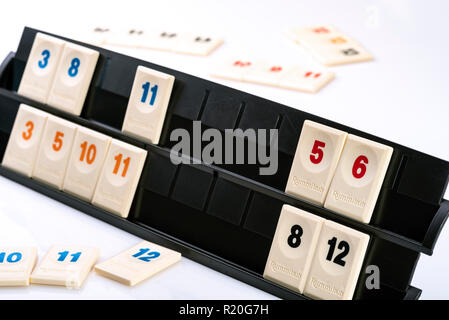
<point x="329" y="46"/>
<point x="196" y="44"/>
<point x="16" y="264"/>
<point x="297" y="78"/>
<point x="66" y="266"/>
<point x="179" y="42"/>
<point x="233" y="69"/>
<point x="306" y="80"/>
<point x="300" y="33"/>
<point x="133" y="38"/>
<point x="98" y="36"/>
<point x="138" y="263"/>
<point x="266" y="73"/>
<point x="164" y="40"/>
<point x="342" y="54"/>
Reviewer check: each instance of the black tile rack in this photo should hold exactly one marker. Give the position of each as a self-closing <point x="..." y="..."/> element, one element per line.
<point x="224" y="216"/>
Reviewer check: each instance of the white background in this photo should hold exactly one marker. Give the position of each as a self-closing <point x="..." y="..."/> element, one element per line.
<point x="402" y="96"/>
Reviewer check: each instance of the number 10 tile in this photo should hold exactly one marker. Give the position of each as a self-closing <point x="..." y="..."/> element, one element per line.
<point x="16" y="264"/>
